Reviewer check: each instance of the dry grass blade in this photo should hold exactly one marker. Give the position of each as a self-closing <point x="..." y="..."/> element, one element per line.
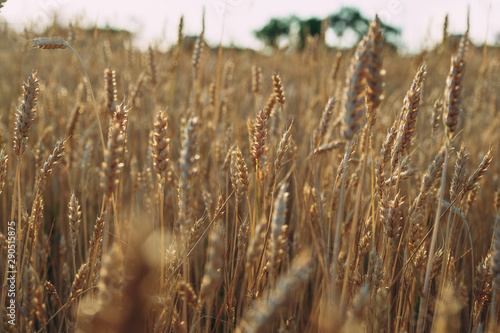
<point x="160" y="146"/>
<point x="374" y="66"/>
<point x="50" y="43"/>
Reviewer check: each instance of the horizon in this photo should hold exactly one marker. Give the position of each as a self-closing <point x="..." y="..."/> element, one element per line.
<point x="236" y="20"/>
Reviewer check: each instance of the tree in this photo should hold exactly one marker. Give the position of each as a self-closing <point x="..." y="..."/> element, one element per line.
<point x="273" y="31"/>
<point x="346" y="19"/>
<point x="349" y="18"/>
<point x="309" y="27"/>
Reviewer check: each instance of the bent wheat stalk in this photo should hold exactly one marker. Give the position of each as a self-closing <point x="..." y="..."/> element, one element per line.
<point x="52" y="43"/>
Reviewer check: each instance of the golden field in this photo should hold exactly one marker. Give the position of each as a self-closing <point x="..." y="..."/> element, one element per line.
<point x="217" y="190"/>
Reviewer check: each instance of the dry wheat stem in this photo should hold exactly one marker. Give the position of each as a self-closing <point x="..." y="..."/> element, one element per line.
<point x="354" y="92"/>
<point x="336" y="243"/>
<point x="60" y="43"/>
<point x="423" y="304"/>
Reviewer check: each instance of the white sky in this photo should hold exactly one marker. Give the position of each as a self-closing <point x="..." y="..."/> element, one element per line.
<point x="157" y="20"/>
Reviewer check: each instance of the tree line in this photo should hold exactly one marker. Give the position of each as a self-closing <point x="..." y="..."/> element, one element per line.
<point x="295" y="30"/>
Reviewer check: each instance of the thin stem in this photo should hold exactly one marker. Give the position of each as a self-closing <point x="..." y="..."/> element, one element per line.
<point x="62" y="308"/>
<point x="425" y="292"/>
<point x="93" y="97"/>
<point x="162" y="230"/>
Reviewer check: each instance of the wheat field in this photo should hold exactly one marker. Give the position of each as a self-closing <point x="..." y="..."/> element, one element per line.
<point x="216" y="189"/>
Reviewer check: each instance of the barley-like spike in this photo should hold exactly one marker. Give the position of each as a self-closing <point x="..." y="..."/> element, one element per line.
<point x="3" y="169"/>
<point x="458" y="181"/>
<point x="444" y="40"/>
<point x="152" y="67"/>
<point x="354" y="92"/>
<point x="73" y="120"/>
<point x="242" y="169"/>
<point x="482" y="289"/>
<point x="52" y="160"/>
<point x="496" y="203"/>
<point x="437" y="113"/>
<point x="479" y="172"/>
<point x="78" y="283"/>
<point x="110" y="286"/>
<point x="433" y="173"/>
<point x="243" y="239"/>
<point x="329" y="147"/>
<point x="391" y="217"/>
<point x="196" y="232"/>
<point x="160" y="146"/>
<point x="256" y="243"/>
<point x="25" y="114"/>
<point x="260" y="317"/>
<point x="75" y="219"/>
<point x="51" y="290"/>
<point x="50" y="43"/>
<point x="256" y="79"/>
<point x="409" y="116"/>
<point x="335" y="67"/>
<point x="271" y="103"/>
<point x="95" y="242"/>
<point x="198" y="50"/>
<point x="112" y="165"/>
<point x="282" y="148"/>
<point x="325" y="121"/>
<point x="452" y="94"/>
<point x="187" y="160"/>
<point x="186" y="291"/>
<point x="213" y="273"/>
<point x="110" y="86"/>
<point x="278" y="220"/>
<point x="278" y="90"/>
<point x="137" y="87"/>
<point x="29" y="286"/>
<point x="259" y="136"/>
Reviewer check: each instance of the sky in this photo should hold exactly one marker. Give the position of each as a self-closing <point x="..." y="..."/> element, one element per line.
<point x="155" y="22"/>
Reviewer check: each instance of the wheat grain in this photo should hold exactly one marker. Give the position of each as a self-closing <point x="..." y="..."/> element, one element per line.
<point x="25" y="114"/>
<point x="354" y="92"/>
<point x="454" y="86"/>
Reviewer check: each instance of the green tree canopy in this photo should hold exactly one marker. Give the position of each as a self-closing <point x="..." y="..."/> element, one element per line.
<point x="346" y="19"/>
<point x="349" y="18"/>
<point x="273" y="30"/>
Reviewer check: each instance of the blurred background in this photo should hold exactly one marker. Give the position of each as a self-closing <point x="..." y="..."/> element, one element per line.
<point x="417" y="25"/>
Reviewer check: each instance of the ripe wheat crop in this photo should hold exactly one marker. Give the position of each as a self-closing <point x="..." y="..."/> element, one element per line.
<point x="224" y="190"/>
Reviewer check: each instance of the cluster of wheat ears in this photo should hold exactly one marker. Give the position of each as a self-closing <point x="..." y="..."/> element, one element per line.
<point x="221" y="190"/>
